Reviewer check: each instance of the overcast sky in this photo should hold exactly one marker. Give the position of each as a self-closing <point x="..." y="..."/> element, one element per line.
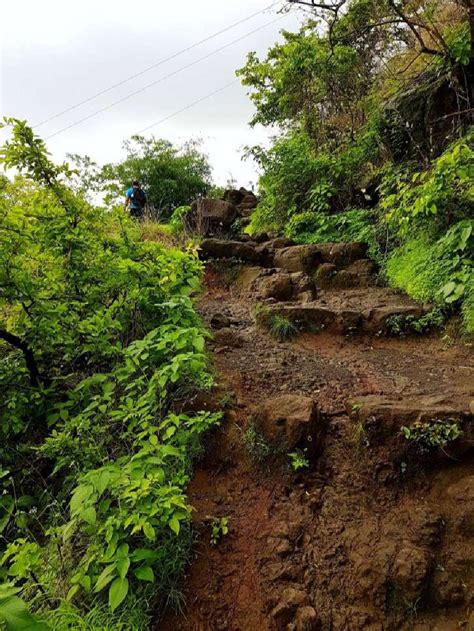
<point x="55" y="54"/>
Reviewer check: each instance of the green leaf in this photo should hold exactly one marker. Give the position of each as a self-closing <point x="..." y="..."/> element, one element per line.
<point x="149" y="532"/>
<point x="174" y="524"/>
<point x="145" y="574"/>
<point x="105" y="577"/>
<point x="82" y="492"/>
<point x="89" y="515"/>
<point x="117" y="592"/>
<point x="122" y="566"/>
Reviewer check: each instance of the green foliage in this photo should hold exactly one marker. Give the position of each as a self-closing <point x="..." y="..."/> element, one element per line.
<point x="440" y="195"/>
<point x="282" y="328"/>
<point x="440" y="271"/>
<point x="313" y="227"/>
<point x="219" y="528"/>
<point x="431" y="435"/>
<point x="298" y="460"/>
<point x="98" y="338"/>
<point x="404" y="325"/>
<point x="171" y="176"/>
<point x="14" y="613"/>
<point x="176" y="219"/>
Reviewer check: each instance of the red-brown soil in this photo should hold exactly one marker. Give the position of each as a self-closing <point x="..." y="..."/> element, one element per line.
<point x="355" y="543"/>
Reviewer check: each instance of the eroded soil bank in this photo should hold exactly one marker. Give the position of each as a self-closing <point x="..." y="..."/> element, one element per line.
<point x="369" y="538"/>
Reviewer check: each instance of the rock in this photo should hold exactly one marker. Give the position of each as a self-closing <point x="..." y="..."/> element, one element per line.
<point x="291" y="599"/>
<point x="377" y="319"/>
<point x="212" y="215"/>
<point x="276" y="286"/>
<point x="228" y="337"/>
<point x="306" y="619"/>
<point x="298" y="258"/>
<point x="289" y="420"/>
<point x="383" y="416"/>
<point x="234" y="196"/>
<point x="280" y="242"/>
<point x="447" y="588"/>
<point x="221" y="249"/>
<point x="325" y="274"/>
<point x="362" y="267"/>
<point x="220" y="321"/>
<point x="410" y="571"/>
<point x="342" y="254"/>
<point x="261" y="237"/>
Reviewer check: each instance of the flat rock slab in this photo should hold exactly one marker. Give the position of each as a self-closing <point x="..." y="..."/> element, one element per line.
<point x="222" y="249"/>
<point x="383" y="417"/>
<point x="263" y="284"/>
<point x="350" y="310"/>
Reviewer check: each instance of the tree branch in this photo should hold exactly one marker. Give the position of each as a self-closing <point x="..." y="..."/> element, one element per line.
<point x="30" y="361"/>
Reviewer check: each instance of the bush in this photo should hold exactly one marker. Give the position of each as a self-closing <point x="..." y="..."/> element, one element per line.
<point x="353" y="225"/>
<point x="99" y="337"/>
<point x="440" y="271"/>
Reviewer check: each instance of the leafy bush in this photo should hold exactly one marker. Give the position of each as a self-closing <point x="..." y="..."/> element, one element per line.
<point x="311" y="227"/>
<point x="439" y="271"/>
<point x="440" y="195"/>
<point x="99" y="338"/>
<point x="431" y="435"/>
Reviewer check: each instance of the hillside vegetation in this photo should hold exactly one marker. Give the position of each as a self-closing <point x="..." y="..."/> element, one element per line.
<point x="99" y="343"/>
<point x="375" y="104"/>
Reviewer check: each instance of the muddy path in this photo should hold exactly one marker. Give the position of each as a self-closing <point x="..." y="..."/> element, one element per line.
<point x="361" y="540"/>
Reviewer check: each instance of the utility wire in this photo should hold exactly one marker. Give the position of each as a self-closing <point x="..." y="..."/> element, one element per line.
<point x="153" y="66"/>
<point x="171" y="74"/>
<point x="189" y="106"/>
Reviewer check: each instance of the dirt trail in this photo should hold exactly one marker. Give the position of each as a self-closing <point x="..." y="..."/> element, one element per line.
<point x="355" y="543"/>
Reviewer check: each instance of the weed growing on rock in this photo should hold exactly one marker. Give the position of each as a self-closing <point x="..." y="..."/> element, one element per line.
<point x="431" y="435"/>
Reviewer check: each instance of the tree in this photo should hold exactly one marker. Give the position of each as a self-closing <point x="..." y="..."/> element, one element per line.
<point x="171" y="176"/>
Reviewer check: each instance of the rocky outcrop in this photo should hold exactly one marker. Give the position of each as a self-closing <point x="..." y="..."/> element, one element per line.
<point x="210" y="216"/>
<point x="290" y="420"/>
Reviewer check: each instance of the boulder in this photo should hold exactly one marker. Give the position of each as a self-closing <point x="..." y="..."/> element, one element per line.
<point x="298" y="258"/>
<point x="277" y="286"/>
<point x="213" y="215"/>
<point x="306" y="619"/>
<point x="222" y="249"/>
<point x="290" y="420"/>
<point x="377" y="319"/>
<point x="342" y="254"/>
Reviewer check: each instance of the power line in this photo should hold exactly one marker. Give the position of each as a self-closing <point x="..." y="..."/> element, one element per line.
<point x="161" y="79"/>
<point x="189" y="106"/>
<point x="153" y="66"/>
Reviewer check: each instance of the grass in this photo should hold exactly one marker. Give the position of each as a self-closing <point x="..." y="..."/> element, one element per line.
<point x="256" y="444"/>
<point x="282" y="328"/>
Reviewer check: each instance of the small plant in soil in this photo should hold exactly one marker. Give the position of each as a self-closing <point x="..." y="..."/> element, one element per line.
<point x="429" y="436"/>
<point x="219" y="528"/>
<point x="405" y="325"/>
<point x="256" y="444"/>
<point x="282" y="328"/>
<point x="298" y="460"/>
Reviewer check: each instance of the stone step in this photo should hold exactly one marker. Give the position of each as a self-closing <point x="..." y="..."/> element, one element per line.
<point x="380" y="418"/>
<point x="348" y="311"/>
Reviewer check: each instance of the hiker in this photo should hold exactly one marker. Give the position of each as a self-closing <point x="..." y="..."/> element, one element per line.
<point x="136" y="199"/>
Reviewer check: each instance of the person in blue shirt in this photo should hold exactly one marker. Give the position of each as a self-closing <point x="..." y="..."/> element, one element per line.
<point x="136" y="199"/>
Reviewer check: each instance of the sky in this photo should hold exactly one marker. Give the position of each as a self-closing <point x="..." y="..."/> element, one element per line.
<point x="54" y="54"/>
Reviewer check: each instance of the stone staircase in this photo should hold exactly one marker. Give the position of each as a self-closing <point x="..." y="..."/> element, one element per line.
<point x="330" y="286"/>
